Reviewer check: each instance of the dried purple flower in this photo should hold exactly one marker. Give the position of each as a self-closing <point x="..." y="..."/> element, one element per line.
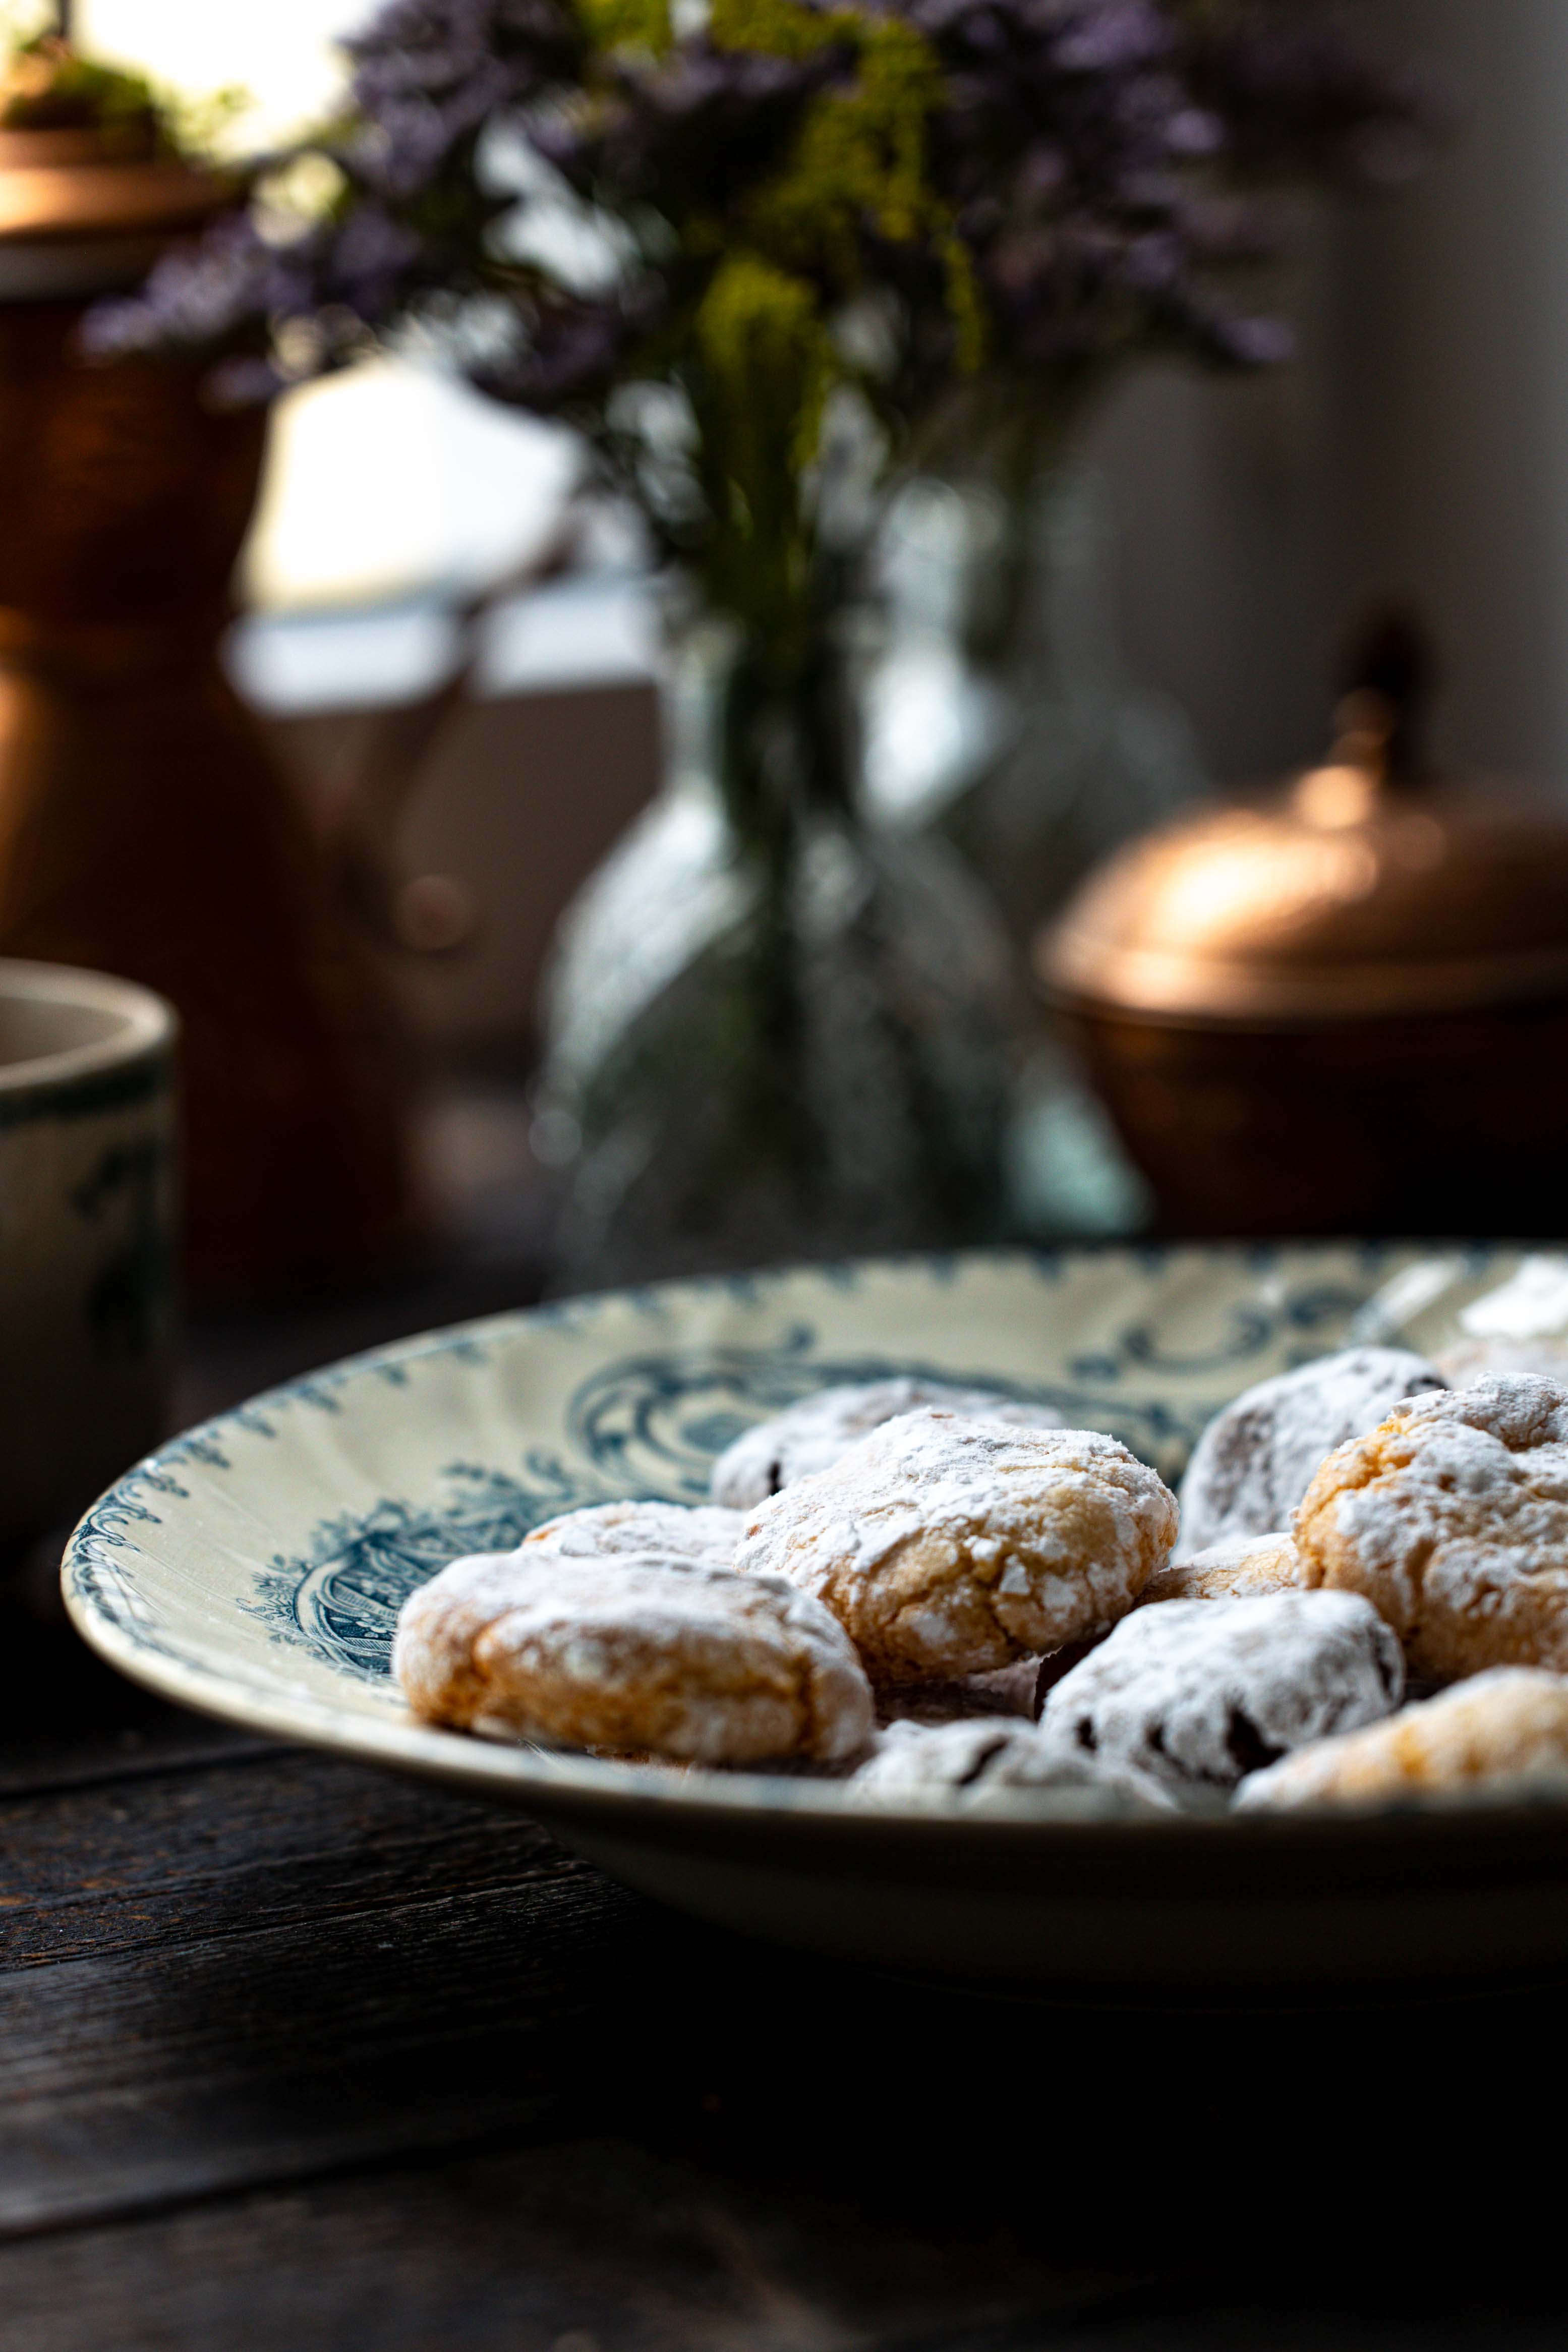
<point x="428" y="74"/>
<point x="196" y="297"/>
<point x="807" y="194"/>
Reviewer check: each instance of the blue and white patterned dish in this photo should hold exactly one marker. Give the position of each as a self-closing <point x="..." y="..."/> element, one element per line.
<point x="254" y="1567"/>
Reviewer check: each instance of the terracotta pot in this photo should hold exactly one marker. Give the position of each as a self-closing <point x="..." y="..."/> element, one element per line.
<point x="144" y="829"/>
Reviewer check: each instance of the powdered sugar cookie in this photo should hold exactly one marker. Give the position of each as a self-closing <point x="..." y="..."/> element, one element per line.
<point x="1496" y="1727"/>
<point x="1473" y="1359"/>
<point x="947" y="1548"/>
<point x="1256" y="1460"/>
<point x="633" y="1651"/>
<point x="1198" y="1693"/>
<point x="1452" y="1518"/>
<point x="968" y="1763"/>
<point x="1520" y="1326"/>
<point x="673" y="1531"/>
<point x="809" y="1436"/>
<point x="1240" y="1568"/>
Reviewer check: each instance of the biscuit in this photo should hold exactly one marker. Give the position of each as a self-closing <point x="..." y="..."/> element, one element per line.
<point x="971" y="1763"/>
<point x="1198" y="1693"/>
<point x="1256" y="1460"/>
<point x="667" y="1655"/>
<point x="947" y="1548"/>
<point x="1240" y="1568"/>
<point x="673" y="1531"/>
<point x="1452" y="1518"/>
<point x="1498" y="1726"/>
<point x="1472" y="1359"/>
<point x="809" y="1436"/>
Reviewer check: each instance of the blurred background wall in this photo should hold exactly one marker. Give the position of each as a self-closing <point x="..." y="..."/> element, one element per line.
<point x="1449" y="402"/>
<point x="1424" y="445"/>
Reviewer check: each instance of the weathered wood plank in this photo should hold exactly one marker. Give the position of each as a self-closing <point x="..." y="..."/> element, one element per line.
<point x="596" y="2242"/>
<point x="958" y="2152"/>
<point x="66" y="1720"/>
<point x="253" y="1839"/>
<point x="133" y="2080"/>
<point x="602" y="2242"/>
<point x="356" y="2036"/>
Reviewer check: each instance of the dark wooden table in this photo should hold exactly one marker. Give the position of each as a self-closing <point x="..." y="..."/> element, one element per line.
<point x="298" y="2055"/>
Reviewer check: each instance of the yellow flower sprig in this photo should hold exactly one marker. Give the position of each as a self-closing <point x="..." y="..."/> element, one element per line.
<point x="628" y="24"/>
<point x="794" y="249"/>
<point x="760" y="353"/>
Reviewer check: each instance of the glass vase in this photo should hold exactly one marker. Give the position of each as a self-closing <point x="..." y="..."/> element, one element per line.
<point x="1001" y="721"/>
<point x="775" y="1032"/>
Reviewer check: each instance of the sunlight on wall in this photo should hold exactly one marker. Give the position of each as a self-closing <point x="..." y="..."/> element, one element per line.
<point x="394" y="481"/>
<point x="280" y="51"/>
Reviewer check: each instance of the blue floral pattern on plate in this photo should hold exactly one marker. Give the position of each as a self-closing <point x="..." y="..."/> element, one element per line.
<point x="647" y="1419"/>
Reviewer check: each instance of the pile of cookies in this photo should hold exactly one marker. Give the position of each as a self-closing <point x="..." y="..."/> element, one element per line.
<point x="946" y="1598"/>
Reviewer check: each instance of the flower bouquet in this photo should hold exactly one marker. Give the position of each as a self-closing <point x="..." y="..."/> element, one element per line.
<point x="771" y="259"/>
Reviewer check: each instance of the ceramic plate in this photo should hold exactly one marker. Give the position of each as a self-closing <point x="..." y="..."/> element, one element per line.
<point x="254" y="1569"/>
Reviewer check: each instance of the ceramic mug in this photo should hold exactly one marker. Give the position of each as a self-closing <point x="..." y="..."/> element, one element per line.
<point x="86" y="1237"/>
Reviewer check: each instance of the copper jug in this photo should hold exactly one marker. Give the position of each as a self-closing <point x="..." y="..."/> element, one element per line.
<point x="1340" y="1005"/>
<point x="144" y="828"/>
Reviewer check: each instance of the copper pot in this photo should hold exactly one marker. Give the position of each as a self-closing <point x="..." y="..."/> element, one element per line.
<point x="144" y="829"/>
<point x="1340" y="1006"/>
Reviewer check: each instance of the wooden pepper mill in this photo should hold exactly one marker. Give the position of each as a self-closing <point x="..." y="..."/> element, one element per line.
<point x="144" y="829"/>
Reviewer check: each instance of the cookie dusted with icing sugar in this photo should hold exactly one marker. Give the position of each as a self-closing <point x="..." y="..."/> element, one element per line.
<point x="1473" y="1359"/>
<point x="1240" y="1568"/>
<point x="811" y="1436"/>
<point x="1520" y="1325"/>
<point x="1452" y="1519"/>
<point x="630" y="1651"/>
<point x="970" y="1764"/>
<point x="947" y="1548"/>
<point x="1256" y="1460"/>
<point x="1500" y="1725"/>
<point x="675" y="1530"/>
<point x="1198" y="1694"/>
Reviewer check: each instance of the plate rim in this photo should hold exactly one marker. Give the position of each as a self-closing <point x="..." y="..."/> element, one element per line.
<point x="565" y="1781"/>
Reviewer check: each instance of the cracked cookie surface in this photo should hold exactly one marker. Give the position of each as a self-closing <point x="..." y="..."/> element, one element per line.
<point x="667" y="1656"/>
<point x="1198" y="1693"/>
<point x="673" y="1531"/>
<point x="1256" y="1460"/>
<point x="947" y="1548"/>
<point x="1496" y="1727"/>
<point x="1240" y="1568"/>
<point x="809" y="1436"/>
<point x="1452" y="1518"/>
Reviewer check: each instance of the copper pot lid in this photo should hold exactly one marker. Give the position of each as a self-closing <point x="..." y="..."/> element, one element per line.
<point x="1371" y="886"/>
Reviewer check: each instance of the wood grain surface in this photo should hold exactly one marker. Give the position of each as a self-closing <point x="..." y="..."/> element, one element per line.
<point x="297" y="2056"/>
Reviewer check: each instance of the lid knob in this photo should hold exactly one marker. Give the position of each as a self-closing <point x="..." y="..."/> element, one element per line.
<point x="1379" y="723"/>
